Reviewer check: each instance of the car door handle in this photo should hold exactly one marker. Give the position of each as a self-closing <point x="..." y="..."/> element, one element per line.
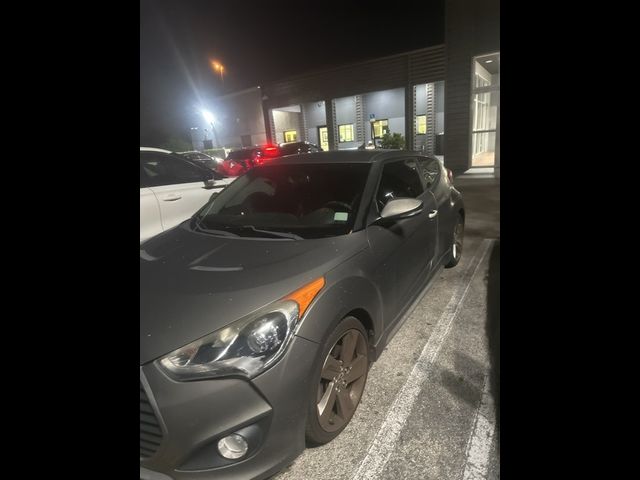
<point x="172" y="197"/>
<point x="433" y="213"/>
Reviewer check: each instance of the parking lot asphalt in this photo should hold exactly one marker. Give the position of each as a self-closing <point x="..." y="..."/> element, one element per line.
<point x="430" y="409"/>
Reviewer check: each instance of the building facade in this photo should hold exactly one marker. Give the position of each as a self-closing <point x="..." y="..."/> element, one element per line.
<point x="351" y="105"/>
<point x="472" y="99"/>
<point x="444" y="100"/>
<point x="238" y="122"/>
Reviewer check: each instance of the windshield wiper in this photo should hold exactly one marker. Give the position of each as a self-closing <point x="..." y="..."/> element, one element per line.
<point x="291" y="236"/>
<point x="223" y="233"/>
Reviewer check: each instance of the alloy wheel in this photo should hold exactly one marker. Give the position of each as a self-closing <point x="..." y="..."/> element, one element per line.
<point x="342" y="380"/>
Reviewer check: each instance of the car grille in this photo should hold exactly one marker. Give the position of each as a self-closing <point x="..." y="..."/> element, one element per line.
<point x="150" y="431"/>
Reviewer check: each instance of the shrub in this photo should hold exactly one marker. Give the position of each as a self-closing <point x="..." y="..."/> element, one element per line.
<point x="394" y="141"/>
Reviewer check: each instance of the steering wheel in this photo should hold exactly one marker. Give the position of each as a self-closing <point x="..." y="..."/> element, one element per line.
<point x="337" y="204"/>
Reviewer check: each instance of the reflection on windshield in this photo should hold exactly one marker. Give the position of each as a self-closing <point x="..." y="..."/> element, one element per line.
<point x="303" y="200"/>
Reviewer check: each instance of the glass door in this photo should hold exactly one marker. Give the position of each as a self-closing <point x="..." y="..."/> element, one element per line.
<point x="323" y="135"/>
<point x="485" y="105"/>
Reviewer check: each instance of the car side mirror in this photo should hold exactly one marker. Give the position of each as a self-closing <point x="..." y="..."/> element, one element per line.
<point x="401" y="208"/>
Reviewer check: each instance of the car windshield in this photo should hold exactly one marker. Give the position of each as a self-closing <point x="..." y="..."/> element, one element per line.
<point x="287" y="201"/>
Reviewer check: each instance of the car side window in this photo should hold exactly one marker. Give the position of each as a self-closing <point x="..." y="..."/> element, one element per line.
<point x="163" y="169"/>
<point x="144" y="179"/>
<point x="400" y="179"/>
<point x="430" y="171"/>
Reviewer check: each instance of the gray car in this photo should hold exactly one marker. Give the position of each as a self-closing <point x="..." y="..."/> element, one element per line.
<point x="260" y="315"/>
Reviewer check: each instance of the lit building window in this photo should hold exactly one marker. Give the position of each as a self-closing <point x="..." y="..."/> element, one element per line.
<point x="380" y="127"/>
<point x="290" y="136"/>
<point x="346" y="132"/>
<point x="421" y="124"/>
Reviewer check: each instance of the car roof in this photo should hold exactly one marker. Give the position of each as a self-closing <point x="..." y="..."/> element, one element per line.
<point x="151" y="149"/>
<point x="247" y="149"/>
<point x="345" y="156"/>
<point x="295" y="143"/>
<point x="191" y="152"/>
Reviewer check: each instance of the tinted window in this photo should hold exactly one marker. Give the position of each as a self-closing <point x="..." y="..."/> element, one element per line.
<point x="163" y="169"/>
<point x="293" y="148"/>
<point x="288" y="149"/>
<point x="144" y="180"/>
<point x="400" y="179"/>
<point x="207" y="162"/>
<point x="430" y="170"/>
<point x="243" y="157"/>
<point x="308" y="200"/>
<point x="241" y="154"/>
<point x="308" y="148"/>
<point x="195" y="156"/>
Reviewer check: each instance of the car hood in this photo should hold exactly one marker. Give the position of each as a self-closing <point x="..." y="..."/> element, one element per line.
<point x="192" y="284"/>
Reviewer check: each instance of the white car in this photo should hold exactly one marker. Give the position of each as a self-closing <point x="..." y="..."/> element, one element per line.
<point x="172" y="189"/>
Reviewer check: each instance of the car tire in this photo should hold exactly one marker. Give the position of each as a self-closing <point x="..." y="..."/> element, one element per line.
<point x="455" y="253"/>
<point x="339" y="381"/>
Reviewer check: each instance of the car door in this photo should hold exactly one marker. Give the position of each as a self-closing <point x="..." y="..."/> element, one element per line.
<point x="404" y="248"/>
<point x="150" y="221"/>
<point x="177" y="184"/>
<point x="434" y="178"/>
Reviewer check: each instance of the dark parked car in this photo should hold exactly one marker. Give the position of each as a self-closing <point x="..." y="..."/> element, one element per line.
<point x="243" y="160"/>
<point x="260" y="315"/>
<point x="204" y="160"/>
<point x="298" y="147"/>
<point x="240" y="161"/>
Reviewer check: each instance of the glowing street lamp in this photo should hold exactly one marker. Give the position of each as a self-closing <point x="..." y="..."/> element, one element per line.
<point x="219" y="68"/>
<point x="210" y="119"/>
<point x="208" y="116"/>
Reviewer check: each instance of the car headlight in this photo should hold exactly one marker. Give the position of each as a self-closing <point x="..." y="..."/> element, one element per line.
<point x="246" y="347"/>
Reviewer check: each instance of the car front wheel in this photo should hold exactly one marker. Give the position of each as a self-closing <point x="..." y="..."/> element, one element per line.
<point x="340" y="379"/>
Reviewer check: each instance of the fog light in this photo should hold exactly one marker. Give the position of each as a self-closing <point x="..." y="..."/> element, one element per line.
<point x="233" y="446"/>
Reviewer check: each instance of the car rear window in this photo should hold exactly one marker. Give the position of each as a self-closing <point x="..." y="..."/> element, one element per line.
<point x="240" y="154"/>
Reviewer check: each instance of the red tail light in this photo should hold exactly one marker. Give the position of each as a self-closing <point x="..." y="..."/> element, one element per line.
<point x="270" y="151"/>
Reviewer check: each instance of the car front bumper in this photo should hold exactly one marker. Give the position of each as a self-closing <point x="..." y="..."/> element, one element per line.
<point x="193" y="416"/>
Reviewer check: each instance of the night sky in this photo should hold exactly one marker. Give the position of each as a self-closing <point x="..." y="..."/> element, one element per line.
<point x="258" y="42"/>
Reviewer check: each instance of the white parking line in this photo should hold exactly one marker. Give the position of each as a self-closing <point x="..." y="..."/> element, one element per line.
<point x="481" y="438"/>
<point x="385" y="440"/>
